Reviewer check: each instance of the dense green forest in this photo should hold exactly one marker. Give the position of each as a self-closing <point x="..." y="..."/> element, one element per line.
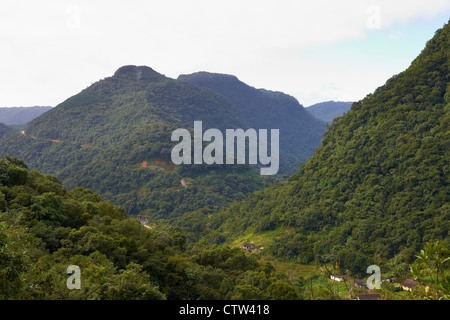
<point x="44" y="229"/>
<point x="375" y="191"/>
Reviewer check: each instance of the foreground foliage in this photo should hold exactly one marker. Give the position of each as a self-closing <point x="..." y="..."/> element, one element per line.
<point x="44" y="229"/>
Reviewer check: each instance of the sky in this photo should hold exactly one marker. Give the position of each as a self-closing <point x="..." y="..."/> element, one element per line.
<point x="313" y="50"/>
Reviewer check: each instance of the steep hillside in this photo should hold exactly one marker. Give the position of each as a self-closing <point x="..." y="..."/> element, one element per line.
<point x="377" y="188"/>
<point x="300" y="133"/>
<point x="329" y="110"/>
<point x="21" y="115"/>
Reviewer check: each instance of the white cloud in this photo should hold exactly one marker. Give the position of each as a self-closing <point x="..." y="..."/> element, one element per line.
<point x="53" y="49"/>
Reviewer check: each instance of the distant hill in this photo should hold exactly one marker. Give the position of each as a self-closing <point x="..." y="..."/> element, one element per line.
<point x="21" y="115"/>
<point x="329" y="110"/>
<point x="300" y="133"/>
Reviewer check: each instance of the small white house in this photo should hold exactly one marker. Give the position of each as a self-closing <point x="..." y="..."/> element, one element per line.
<point x="337" y="277"/>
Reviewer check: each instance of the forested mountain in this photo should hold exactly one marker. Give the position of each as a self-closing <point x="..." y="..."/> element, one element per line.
<point x="300" y="133"/>
<point x="114" y="137"/>
<point x="21" y="115"/>
<point x="329" y="110"/>
<point x="378" y="186"/>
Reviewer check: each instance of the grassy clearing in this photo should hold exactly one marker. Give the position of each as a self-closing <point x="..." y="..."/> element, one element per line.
<point x="259" y="239"/>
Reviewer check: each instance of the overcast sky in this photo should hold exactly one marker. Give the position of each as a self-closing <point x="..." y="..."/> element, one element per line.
<point x="313" y="50"/>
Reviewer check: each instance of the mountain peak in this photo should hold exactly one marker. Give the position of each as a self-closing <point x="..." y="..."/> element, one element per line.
<point x="138" y="73"/>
